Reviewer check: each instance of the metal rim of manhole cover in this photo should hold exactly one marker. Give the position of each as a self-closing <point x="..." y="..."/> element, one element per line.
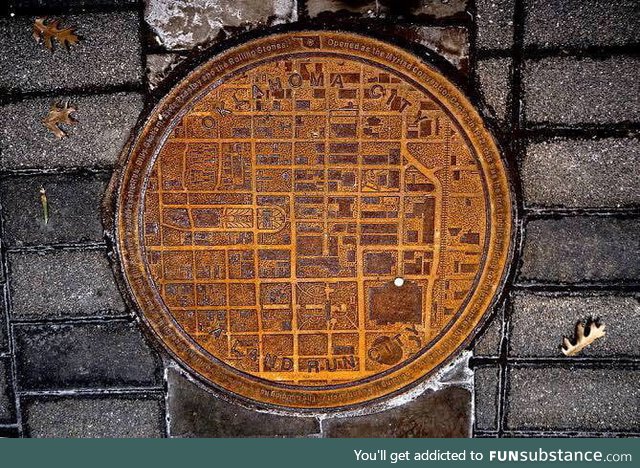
<point x="314" y="219"/>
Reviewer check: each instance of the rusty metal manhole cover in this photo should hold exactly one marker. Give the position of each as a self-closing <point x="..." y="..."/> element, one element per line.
<point x="314" y="220"/>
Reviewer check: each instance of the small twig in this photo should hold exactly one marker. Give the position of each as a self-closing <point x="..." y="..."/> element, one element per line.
<point x="45" y="204"/>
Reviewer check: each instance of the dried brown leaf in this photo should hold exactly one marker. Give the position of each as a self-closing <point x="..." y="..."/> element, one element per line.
<point x="45" y="32"/>
<point x="59" y="114"/>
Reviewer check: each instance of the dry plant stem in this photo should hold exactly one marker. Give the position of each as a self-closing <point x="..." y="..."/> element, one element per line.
<point x="45" y="204"/>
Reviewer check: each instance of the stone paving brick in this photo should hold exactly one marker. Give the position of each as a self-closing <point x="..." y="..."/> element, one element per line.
<point x="103" y="125"/>
<point x="494" y="20"/>
<point x="539" y="322"/>
<point x="74" y="209"/>
<point x="184" y="24"/>
<point x="573" y="399"/>
<point x="17" y="5"/>
<point x="582" y="173"/>
<point x="494" y="78"/>
<point x="90" y="355"/>
<point x="109" y="53"/>
<point x="4" y="339"/>
<point x="386" y="8"/>
<point x="488" y="342"/>
<point x="63" y="283"/>
<point x="194" y="412"/>
<point x="581" y="248"/>
<point x="7" y="402"/>
<point x="582" y="90"/>
<point x="581" y="23"/>
<point x="445" y="413"/>
<point x="110" y="417"/>
<point x="486" y="397"/>
<point x="9" y="432"/>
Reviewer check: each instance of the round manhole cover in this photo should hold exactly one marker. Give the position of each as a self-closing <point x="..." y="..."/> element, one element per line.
<point x="314" y="219"/>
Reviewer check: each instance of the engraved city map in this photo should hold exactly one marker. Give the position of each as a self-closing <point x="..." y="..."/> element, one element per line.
<point x="287" y="201"/>
<point x="314" y="219"/>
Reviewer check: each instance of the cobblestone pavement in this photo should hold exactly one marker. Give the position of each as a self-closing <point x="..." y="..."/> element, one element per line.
<point x="558" y="82"/>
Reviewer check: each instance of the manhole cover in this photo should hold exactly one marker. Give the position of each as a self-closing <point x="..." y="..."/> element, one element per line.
<point x="314" y="220"/>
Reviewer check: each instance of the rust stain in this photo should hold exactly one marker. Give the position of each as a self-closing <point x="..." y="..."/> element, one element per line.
<point x="323" y="221"/>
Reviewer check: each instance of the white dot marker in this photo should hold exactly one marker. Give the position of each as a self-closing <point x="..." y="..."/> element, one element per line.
<point x="398" y="281"/>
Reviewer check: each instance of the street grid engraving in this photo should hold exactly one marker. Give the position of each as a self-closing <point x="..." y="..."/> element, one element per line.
<point x="287" y="200"/>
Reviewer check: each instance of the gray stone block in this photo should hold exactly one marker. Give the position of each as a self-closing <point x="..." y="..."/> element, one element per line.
<point x="539" y="322"/>
<point x="582" y="173"/>
<point x="444" y="413"/>
<point x="92" y="417"/>
<point x="386" y="8"/>
<point x="90" y="355"/>
<point x="7" y="401"/>
<point x="159" y="67"/>
<point x="63" y="283"/>
<point x="324" y="8"/>
<point x="581" y="23"/>
<point x="486" y="397"/>
<point x="184" y="24"/>
<point x="69" y="4"/>
<point x="9" y="432"/>
<point x="73" y="204"/>
<point x="451" y="42"/>
<point x="4" y="338"/>
<point x="582" y="90"/>
<point x="494" y="20"/>
<point x="573" y="399"/>
<point x="194" y="412"/>
<point x="581" y="248"/>
<point x="103" y="125"/>
<point x="108" y="53"/>
<point x="494" y="80"/>
<point x="437" y="9"/>
<point x="488" y="342"/>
